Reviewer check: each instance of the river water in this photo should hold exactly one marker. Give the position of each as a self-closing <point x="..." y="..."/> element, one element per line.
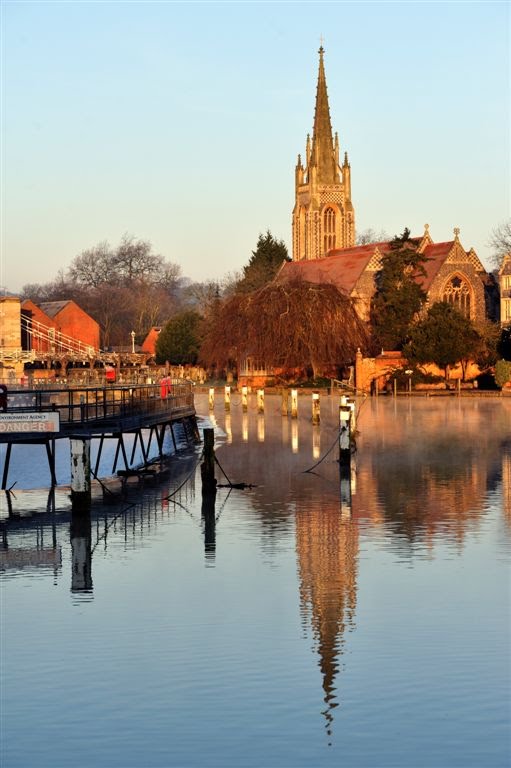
<point x="306" y="621"/>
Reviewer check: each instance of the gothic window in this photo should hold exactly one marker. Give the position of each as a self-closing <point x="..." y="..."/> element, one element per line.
<point x="302" y="240"/>
<point x="457" y="292"/>
<point x="328" y="229"/>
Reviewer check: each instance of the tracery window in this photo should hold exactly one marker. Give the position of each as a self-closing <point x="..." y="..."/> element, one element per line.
<point x="328" y="229"/>
<point x="457" y="292"/>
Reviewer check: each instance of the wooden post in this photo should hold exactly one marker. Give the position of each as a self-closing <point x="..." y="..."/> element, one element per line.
<point x="353" y="418"/>
<point x="211" y="398"/>
<point x="459" y="386"/>
<point x="227" y="398"/>
<point x="315" y="408"/>
<point x="80" y="474"/>
<point x="285" y="401"/>
<point x="294" y="403"/>
<point x="244" y="399"/>
<point x="260" y="401"/>
<point x="208" y="465"/>
<point x="395" y="387"/>
<point x="344" y="433"/>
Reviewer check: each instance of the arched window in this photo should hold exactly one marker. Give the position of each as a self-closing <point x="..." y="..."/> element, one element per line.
<point x="457" y="292"/>
<point x="328" y="229"/>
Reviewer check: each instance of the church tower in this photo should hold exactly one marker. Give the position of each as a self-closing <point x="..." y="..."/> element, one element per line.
<point x="323" y="216"/>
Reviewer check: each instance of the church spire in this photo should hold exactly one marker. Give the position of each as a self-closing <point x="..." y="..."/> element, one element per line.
<point x="323" y="153"/>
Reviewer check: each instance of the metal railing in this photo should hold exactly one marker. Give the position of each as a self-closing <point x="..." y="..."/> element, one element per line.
<point x="87" y="405"/>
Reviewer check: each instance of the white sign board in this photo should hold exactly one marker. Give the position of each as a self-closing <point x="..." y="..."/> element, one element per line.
<point x="30" y="422"/>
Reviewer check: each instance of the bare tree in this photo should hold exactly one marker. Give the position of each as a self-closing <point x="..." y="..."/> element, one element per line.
<point x="93" y="266"/>
<point x="295" y="325"/>
<point x="370" y="235"/>
<point x="500" y="242"/>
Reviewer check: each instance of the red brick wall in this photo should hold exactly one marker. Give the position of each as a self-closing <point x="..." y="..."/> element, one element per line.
<point x="38" y="316"/>
<point x="73" y="321"/>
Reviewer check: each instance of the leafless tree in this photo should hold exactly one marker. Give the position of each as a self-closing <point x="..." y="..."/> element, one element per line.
<point x="296" y="325"/>
<point x="500" y="242"/>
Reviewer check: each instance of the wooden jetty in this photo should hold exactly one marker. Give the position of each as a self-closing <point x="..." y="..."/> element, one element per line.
<point x="42" y="416"/>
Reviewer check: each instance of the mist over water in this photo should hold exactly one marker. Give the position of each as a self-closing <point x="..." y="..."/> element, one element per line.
<point x="306" y="621"/>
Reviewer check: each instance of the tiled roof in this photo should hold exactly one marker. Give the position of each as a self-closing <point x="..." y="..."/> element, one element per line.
<point x="52" y="308"/>
<point x="344" y="266"/>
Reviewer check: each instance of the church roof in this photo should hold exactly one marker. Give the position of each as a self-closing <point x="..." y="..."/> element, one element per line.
<point x="344" y="266"/>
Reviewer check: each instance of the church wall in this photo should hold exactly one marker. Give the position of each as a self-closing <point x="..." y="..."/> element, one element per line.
<point x="449" y="269"/>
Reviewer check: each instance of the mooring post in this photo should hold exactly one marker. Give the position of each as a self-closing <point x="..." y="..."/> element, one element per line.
<point x="285" y="401"/>
<point x="211" y="398"/>
<point x="80" y="473"/>
<point x="294" y="403"/>
<point x="244" y="399"/>
<point x="344" y="432"/>
<point x="395" y="387"/>
<point x="353" y="417"/>
<point x="227" y="398"/>
<point x="208" y="465"/>
<point x="260" y="401"/>
<point x="315" y="408"/>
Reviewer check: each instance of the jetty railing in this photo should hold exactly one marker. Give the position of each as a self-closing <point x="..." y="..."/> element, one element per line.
<point x="86" y="406"/>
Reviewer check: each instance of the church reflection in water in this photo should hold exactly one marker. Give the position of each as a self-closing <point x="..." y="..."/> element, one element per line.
<point x="424" y="476"/>
<point x="327" y="549"/>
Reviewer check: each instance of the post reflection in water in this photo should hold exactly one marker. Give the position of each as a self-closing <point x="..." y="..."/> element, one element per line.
<point x="260" y="428"/>
<point x="316" y="442"/>
<point x="244" y="427"/>
<point x="81" y="551"/>
<point x="294" y="436"/>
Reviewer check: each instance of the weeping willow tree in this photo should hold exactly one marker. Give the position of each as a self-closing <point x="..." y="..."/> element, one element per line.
<point x="291" y="325"/>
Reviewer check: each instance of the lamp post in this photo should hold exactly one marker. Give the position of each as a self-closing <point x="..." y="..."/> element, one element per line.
<point x="133" y="342"/>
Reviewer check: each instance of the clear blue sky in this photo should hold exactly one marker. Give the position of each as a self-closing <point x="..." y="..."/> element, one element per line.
<point x="180" y="123"/>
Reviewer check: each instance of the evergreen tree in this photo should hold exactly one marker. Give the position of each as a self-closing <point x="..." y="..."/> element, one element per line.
<point x="399" y="294"/>
<point x="443" y="337"/>
<point x="180" y="339"/>
<point x="263" y="264"/>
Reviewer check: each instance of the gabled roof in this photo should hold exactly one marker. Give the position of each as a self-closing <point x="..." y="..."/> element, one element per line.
<point x="344" y="266"/>
<point x="52" y="308"/>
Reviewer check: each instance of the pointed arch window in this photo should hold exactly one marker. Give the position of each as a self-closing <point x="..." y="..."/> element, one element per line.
<point x="458" y="293"/>
<point x="328" y="229"/>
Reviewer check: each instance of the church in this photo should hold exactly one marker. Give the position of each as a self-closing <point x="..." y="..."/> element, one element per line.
<point x="324" y="239"/>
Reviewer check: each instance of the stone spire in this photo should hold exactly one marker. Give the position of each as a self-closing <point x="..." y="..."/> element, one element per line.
<point x="323" y="152"/>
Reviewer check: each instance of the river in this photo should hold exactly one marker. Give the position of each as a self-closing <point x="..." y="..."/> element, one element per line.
<point x="304" y="621"/>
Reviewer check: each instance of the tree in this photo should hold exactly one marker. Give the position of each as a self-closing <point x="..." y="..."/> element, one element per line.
<point x="180" y="339"/>
<point x="263" y="264"/>
<point x="500" y="242"/>
<point x="295" y="325"/>
<point x="399" y="295"/>
<point x="370" y="235"/>
<point x="443" y="337"/>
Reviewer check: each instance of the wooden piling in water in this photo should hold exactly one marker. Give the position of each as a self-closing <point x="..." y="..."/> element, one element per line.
<point x="260" y="401"/>
<point x="244" y="399"/>
<point x="315" y="408"/>
<point x="227" y="398"/>
<point x="208" y="465"/>
<point x="344" y="432"/>
<point x="80" y="474"/>
<point x="294" y="403"/>
<point x="211" y="398"/>
<point x="285" y="401"/>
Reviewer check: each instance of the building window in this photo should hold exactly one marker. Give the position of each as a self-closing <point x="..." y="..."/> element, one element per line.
<point x="507" y="309"/>
<point x="457" y="292"/>
<point x="328" y="229"/>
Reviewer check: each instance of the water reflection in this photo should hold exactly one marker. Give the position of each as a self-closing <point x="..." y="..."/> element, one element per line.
<point x="327" y="549"/>
<point x="421" y="475"/>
